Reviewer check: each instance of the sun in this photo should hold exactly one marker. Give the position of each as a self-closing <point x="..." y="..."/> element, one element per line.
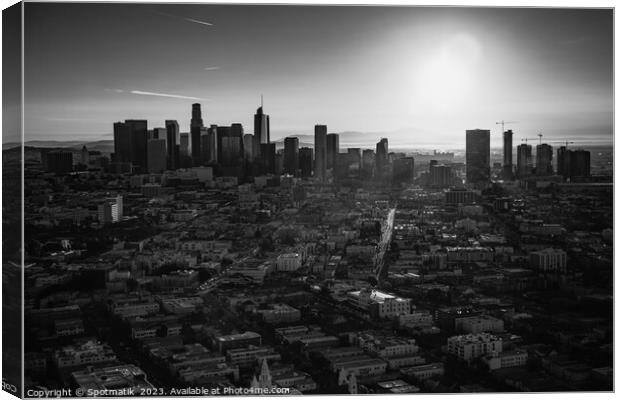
<point x="447" y="76"/>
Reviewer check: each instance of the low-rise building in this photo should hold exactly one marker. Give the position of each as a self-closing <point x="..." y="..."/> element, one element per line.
<point x="471" y="346"/>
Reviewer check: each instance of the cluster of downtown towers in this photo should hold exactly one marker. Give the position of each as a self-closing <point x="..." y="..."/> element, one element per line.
<point x="230" y="152"/>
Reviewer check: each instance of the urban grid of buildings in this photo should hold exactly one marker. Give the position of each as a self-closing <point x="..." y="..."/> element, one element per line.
<point x="221" y="258"/>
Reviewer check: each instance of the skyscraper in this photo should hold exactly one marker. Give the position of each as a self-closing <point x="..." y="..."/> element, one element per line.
<point x="212" y="151"/>
<point x="320" y="150"/>
<point x="524" y="160"/>
<point x="156" y="155"/>
<point x="305" y="162"/>
<point x="122" y="142"/>
<point x="261" y="125"/>
<point x="291" y="155"/>
<point x="268" y="158"/>
<point x="544" y="159"/>
<point x="403" y="170"/>
<point x="230" y="145"/>
<point x="563" y="166"/>
<point x="507" y="166"/>
<point x="184" y="143"/>
<point x="333" y="148"/>
<point x="158" y="133"/>
<point x="381" y="157"/>
<point x="248" y="147"/>
<point x="477" y="155"/>
<point x="195" y="127"/>
<point x="172" y="131"/>
<point x="368" y="163"/>
<point x="579" y="161"/>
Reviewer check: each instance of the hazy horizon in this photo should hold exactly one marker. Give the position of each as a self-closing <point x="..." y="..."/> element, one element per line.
<point x="419" y="75"/>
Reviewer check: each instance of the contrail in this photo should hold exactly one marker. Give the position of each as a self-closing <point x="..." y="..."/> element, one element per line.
<point x="174" y="96"/>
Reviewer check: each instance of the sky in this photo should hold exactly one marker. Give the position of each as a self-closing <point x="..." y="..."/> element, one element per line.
<point x="419" y="76"/>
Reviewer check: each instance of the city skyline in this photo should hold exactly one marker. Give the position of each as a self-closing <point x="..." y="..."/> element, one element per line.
<point x="549" y="69"/>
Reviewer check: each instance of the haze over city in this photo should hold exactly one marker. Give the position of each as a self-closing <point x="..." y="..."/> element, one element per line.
<point x="419" y="75"/>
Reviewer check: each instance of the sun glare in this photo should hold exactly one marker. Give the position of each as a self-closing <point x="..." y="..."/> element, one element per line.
<point x="445" y="78"/>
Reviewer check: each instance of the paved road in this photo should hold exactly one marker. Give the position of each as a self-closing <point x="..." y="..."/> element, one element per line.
<point x="386" y="237"/>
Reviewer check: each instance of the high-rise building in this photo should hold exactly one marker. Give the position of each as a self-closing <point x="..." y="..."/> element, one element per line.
<point x="403" y="171"/>
<point x="440" y="176"/>
<point x="507" y="166"/>
<point x="291" y="155"/>
<point x="172" y="132"/>
<point x="320" y="152"/>
<point x="333" y="148"/>
<point x="158" y="133"/>
<point x="261" y="125"/>
<point x="122" y="142"/>
<point x="562" y="167"/>
<point x="84" y="156"/>
<point x="210" y="147"/>
<point x="524" y="160"/>
<point x="205" y="146"/>
<point x="184" y="143"/>
<point x="478" y="155"/>
<point x="248" y="147"/>
<point x="579" y="164"/>
<point x="381" y="157"/>
<point x="230" y="145"/>
<point x="156" y="151"/>
<point x="368" y="163"/>
<point x="305" y="162"/>
<point x="355" y="157"/>
<point x="544" y="159"/>
<point x="268" y="158"/>
<point x="59" y="161"/>
<point x="195" y="131"/>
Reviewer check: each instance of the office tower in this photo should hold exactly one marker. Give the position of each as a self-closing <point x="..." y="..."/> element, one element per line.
<point x="139" y="139"/>
<point x="230" y="145"/>
<point x="110" y="210"/>
<point x="59" y="161"/>
<point x="544" y="159"/>
<point x="84" y="157"/>
<point x="279" y="162"/>
<point x="130" y="141"/>
<point x="507" y="166"/>
<point x="333" y="148"/>
<point x="368" y="163"/>
<point x="158" y="133"/>
<point x="212" y="151"/>
<point x="440" y="176"/>
<point x="305" y="162"/>
<point x="320" y="150"/>
<point x="268" y="158"/>
<point x="205" y="146"/>
<point x="403" y="171"/>
<point x="524" y="160"/>
<point x="248" y="147"/>
<point x="184" y="143"/>
<point x="261" y="125"/>
<point x="122" y="142"/>
<point x="156" y="155"/>
<point x="291" y="155"/>
<point x="563" y="165"/>
<point x="381" y="157"/>
<point x="355" y="158"/>
<point x="579" y="164"/>
<point x="195" y="132"/>
<point x="172" y="131"/>
<point x="341" y="165"/>
<point x="477" y="155"/>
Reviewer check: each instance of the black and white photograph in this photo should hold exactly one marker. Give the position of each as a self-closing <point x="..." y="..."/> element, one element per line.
<point x="235" y="199"/>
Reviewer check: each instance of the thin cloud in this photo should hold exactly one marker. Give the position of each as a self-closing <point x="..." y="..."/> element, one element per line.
<point x="173" y="96"/>
<point x="198" y="21"/>
<point x="211" y="68"/>
<point x="192" y="20"/>
<point x="114" y="90"/>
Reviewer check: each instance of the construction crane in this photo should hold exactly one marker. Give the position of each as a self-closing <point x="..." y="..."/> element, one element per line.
<point x="502" y="123"/>
<point x="566" y="142"/>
